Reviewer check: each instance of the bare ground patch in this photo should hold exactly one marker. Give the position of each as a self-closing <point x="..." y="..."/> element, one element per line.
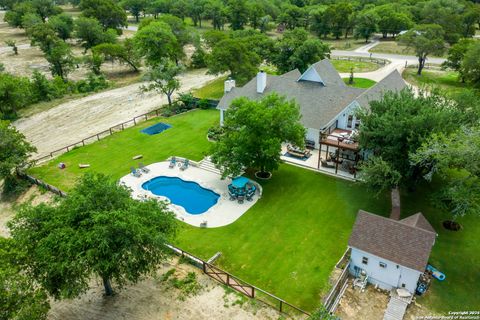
<point x="7" y="206"/>
<point x="78" y="119"/>
<point x="156" y="298"/>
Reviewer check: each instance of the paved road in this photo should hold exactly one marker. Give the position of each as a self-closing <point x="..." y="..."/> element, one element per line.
<point x="397" y="61"/>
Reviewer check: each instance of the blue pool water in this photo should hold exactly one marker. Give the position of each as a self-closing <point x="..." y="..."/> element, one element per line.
<point x="156" y="128"/>
<point x="190" y="195"/>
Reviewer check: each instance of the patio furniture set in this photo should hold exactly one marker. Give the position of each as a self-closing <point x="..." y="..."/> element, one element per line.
<point x="240" y="189"/>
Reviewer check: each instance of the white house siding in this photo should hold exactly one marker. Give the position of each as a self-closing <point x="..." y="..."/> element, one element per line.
<point x="392" y="276"/>
<point x="314" y="135"/>
<point x="342" y="117"/>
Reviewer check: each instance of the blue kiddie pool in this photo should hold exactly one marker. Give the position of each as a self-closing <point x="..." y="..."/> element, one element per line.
<point x="188" y="194"/>
<point x="156" y="128"/>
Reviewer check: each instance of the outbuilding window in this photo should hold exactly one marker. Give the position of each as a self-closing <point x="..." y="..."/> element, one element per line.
<point x="365" y="260"/>
<point x="382" y="264"/>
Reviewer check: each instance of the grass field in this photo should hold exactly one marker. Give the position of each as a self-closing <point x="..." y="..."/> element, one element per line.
<point x="358" y="66"/>
<point x="113" y="155"/>
<point x="290" y="240"/>
<point x="360" y="82"/>
<point x="392" y="47"/>
<point x="344" y="44"/>
<point x="445" y="80"/>
<point x="212" y="90"/>
<point x="454" y="253"/>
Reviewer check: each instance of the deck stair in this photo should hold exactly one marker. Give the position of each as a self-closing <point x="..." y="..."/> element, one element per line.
<point x="208" y="165"/>
<point x="396" y="308"/>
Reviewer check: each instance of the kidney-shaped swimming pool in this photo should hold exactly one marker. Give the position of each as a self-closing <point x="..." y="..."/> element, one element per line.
<point x="188" y="194"/>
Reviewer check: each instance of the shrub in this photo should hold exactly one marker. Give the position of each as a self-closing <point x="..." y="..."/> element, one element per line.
<point x="215" y="132"/>
<point x="203" y="104"/>
<point x="187" y="99"/>
<point x="92" y="83"/>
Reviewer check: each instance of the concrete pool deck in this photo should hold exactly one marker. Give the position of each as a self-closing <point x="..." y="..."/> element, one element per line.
<point x="223" y="213"/>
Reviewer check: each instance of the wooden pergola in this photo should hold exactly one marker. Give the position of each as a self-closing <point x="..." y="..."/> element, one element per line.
<point x="341" y="144"/>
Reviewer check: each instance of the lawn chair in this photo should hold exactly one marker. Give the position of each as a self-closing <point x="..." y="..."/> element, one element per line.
<point x="232" y="193"/>
<point x="173" y="163"/>
<point x="185" y="165"/>
<point x="143" y="168"/>
<point x="241" y="195"/>
<point x="250" y="192"/>
<point x="135" y="172"/>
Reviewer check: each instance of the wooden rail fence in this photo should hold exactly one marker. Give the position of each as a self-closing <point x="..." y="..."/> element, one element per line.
<point x="240" y="285"/>
<point x="116" y="128"/>
<point x="333" y="298"/>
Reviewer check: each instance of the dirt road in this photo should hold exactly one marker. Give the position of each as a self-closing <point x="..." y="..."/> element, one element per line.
<point x="79" y="119"/>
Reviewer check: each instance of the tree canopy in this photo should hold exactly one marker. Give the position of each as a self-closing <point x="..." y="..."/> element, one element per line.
<point x="14" y="149"/>
<point x="163" y="78"/>
<point x="426" y="40"/>
<point x="98" y="230"/>
<point x="254" y="132"/>
<point x="20" y="297"/>
<point x="396" y="126"/>
<point x="107" y="12"/>
<point x="156" y="41"/>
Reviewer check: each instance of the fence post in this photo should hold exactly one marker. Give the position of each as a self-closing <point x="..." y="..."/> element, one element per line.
<point x="110" y="131"/>
<point x="281" y="305"/>
<point x="83" y="142"/>
<point x="123" y="127"/>
<point x="134" y="121"/>
<point x="146" y="117"/>
<point x="228" y="279"/>
<point x="156" y="112"/>
<point x="67" y="149"/>
<point x="98" y="138"/>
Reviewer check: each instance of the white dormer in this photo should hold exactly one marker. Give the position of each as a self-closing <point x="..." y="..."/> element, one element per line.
<point x="311" y="75"/>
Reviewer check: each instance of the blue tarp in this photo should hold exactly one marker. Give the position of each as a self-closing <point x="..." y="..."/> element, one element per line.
<point x="240" y="182"/>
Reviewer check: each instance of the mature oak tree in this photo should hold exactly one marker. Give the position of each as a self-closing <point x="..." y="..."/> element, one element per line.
<point x="426" y="40"/>
<point x="254" y="132"/>
<point x="98" y="230"/>
<point x="163" y="78"/>
<point x="396" y="126"/>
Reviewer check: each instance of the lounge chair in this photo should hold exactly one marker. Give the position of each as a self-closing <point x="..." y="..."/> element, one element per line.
<point x="142" y="168"/>
<point x="173" y="162"/>
<point x="135" y="172"/>
<point x="185" y="164"/>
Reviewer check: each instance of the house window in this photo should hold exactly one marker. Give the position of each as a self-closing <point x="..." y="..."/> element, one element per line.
<point x="403" y="285"/>
<point x="365" y="260"/>
<point x="357" y="123"/>
<point x="382" y="265"/>
<point x="349" y="121"/>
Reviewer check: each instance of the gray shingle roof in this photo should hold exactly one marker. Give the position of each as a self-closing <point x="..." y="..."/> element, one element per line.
<point x="328" y="73"/>
<point x="392" y="82"/>
<point x="397" y="241"/>
<point x="419" y="221"/>
<point x="319" y="104"/>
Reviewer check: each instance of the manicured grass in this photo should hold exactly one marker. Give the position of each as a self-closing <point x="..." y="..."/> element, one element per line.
<point x="212" y="90"/>
<point x="113" y="155"/>
<point x="455" y="253"/>
<point x="445" y="80"/>
<point x="289" y="242"/>
<point x="360" y="82"/>
<point x="358" y="66"/>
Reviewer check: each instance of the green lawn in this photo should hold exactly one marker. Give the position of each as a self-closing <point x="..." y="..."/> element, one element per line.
<point x="113" y="155"/>
<point x="360" y="82"/>
<point x="290" y="240"/>
<point x="445" y="80"/>
<point x="454" y="253"/>
<point x="358" y="66"/>
<point x="212" y="90"/>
